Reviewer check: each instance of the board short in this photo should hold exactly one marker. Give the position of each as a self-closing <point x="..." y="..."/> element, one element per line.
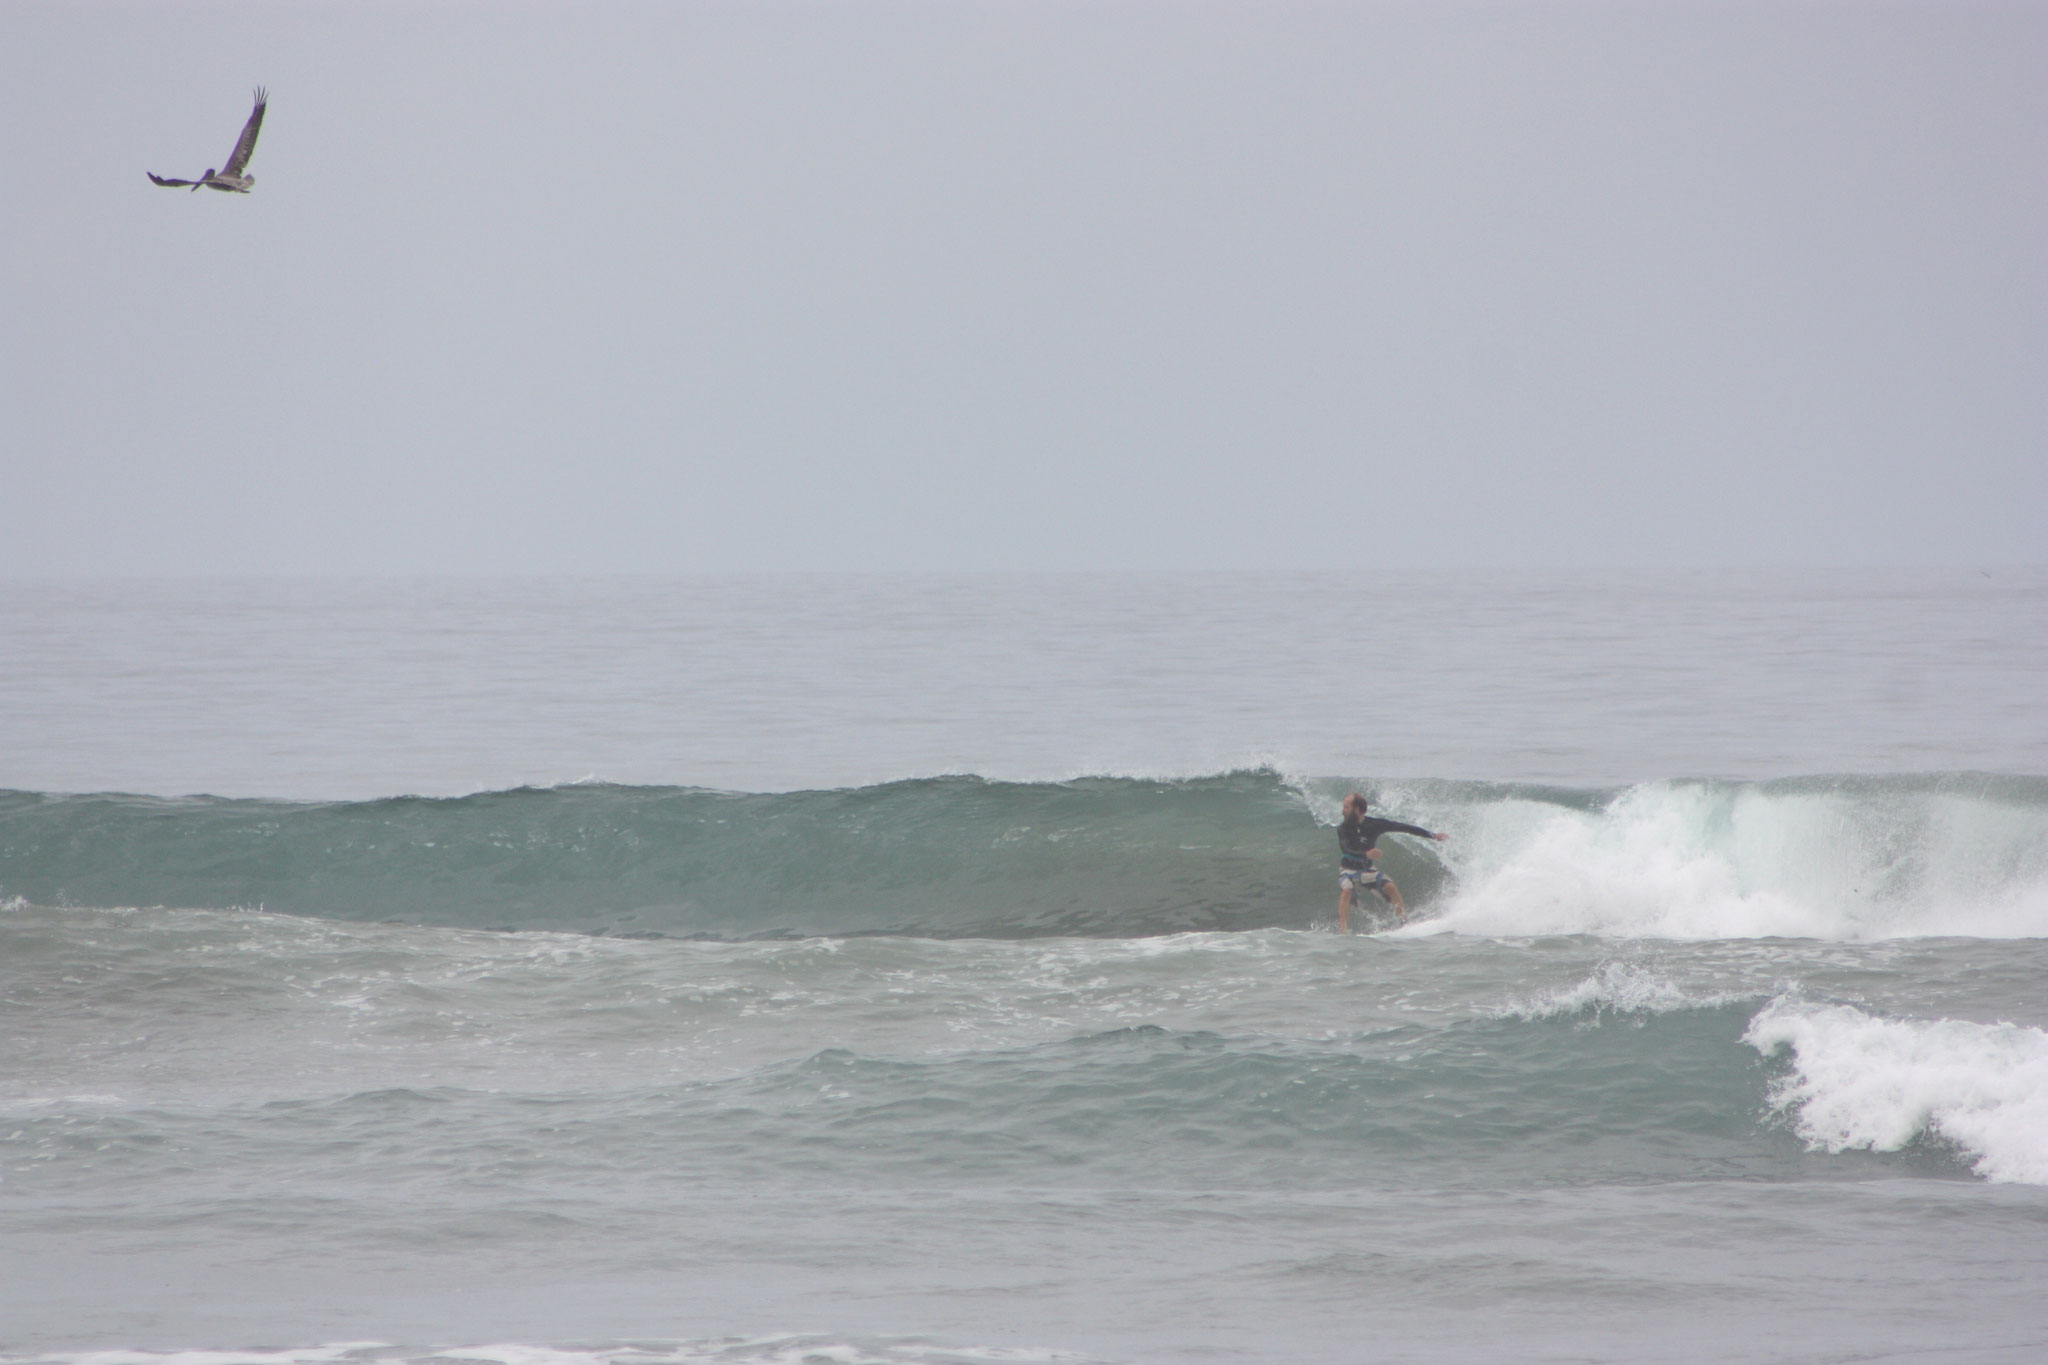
<point x="1360" y="878"/>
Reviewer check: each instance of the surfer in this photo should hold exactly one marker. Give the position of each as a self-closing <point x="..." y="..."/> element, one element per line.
<point x="1358" y="837"/>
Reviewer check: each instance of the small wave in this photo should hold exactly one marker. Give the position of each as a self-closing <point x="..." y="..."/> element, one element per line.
<point x="1858" y="1081"/>
<point x="1474" y="1101"/>
<point x="1616" y="987"/>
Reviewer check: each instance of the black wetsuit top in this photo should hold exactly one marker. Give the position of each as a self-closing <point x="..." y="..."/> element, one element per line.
<point x="1356" y="840"/>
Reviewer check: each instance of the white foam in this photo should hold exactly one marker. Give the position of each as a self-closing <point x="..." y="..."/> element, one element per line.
<point x="1859" y="1081"/>
<point x="1621" y="987"/>
<point x="1705" y="861"/>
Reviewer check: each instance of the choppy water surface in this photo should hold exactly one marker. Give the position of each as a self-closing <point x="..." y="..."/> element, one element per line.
<point x="939" y="1069"/>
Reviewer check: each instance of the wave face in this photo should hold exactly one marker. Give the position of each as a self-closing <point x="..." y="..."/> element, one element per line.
<point x="1960" y="854"/>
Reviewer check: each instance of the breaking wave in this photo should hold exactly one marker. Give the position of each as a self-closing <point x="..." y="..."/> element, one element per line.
<point x="1884" y="1085"/>
<point x="1828" y="858"/>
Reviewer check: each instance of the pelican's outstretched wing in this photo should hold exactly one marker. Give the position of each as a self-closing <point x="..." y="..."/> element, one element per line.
<point x="245" y="146"/>
<point x="161" y="181"/>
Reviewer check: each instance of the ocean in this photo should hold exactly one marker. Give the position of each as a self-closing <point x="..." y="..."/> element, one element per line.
<point x="917" y="970"/>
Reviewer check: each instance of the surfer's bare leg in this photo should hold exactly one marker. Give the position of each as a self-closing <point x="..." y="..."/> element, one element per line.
<point x="1393" y="895"/>
<point x="1344" y="909"/>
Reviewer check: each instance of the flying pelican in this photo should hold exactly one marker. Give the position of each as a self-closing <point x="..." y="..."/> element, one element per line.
<point x="229" y="178"/>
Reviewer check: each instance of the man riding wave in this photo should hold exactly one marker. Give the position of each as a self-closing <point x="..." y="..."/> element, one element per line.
<point x="1358" y="837"/>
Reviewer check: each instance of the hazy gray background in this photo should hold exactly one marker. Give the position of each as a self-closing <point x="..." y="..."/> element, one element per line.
<point x="605" y="287"/>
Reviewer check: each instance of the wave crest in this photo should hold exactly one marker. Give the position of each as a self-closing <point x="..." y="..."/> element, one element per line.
<point x="1858" y="1081"/>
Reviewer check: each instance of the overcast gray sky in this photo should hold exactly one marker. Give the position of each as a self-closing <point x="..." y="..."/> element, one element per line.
<point x="673" y="287"/>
